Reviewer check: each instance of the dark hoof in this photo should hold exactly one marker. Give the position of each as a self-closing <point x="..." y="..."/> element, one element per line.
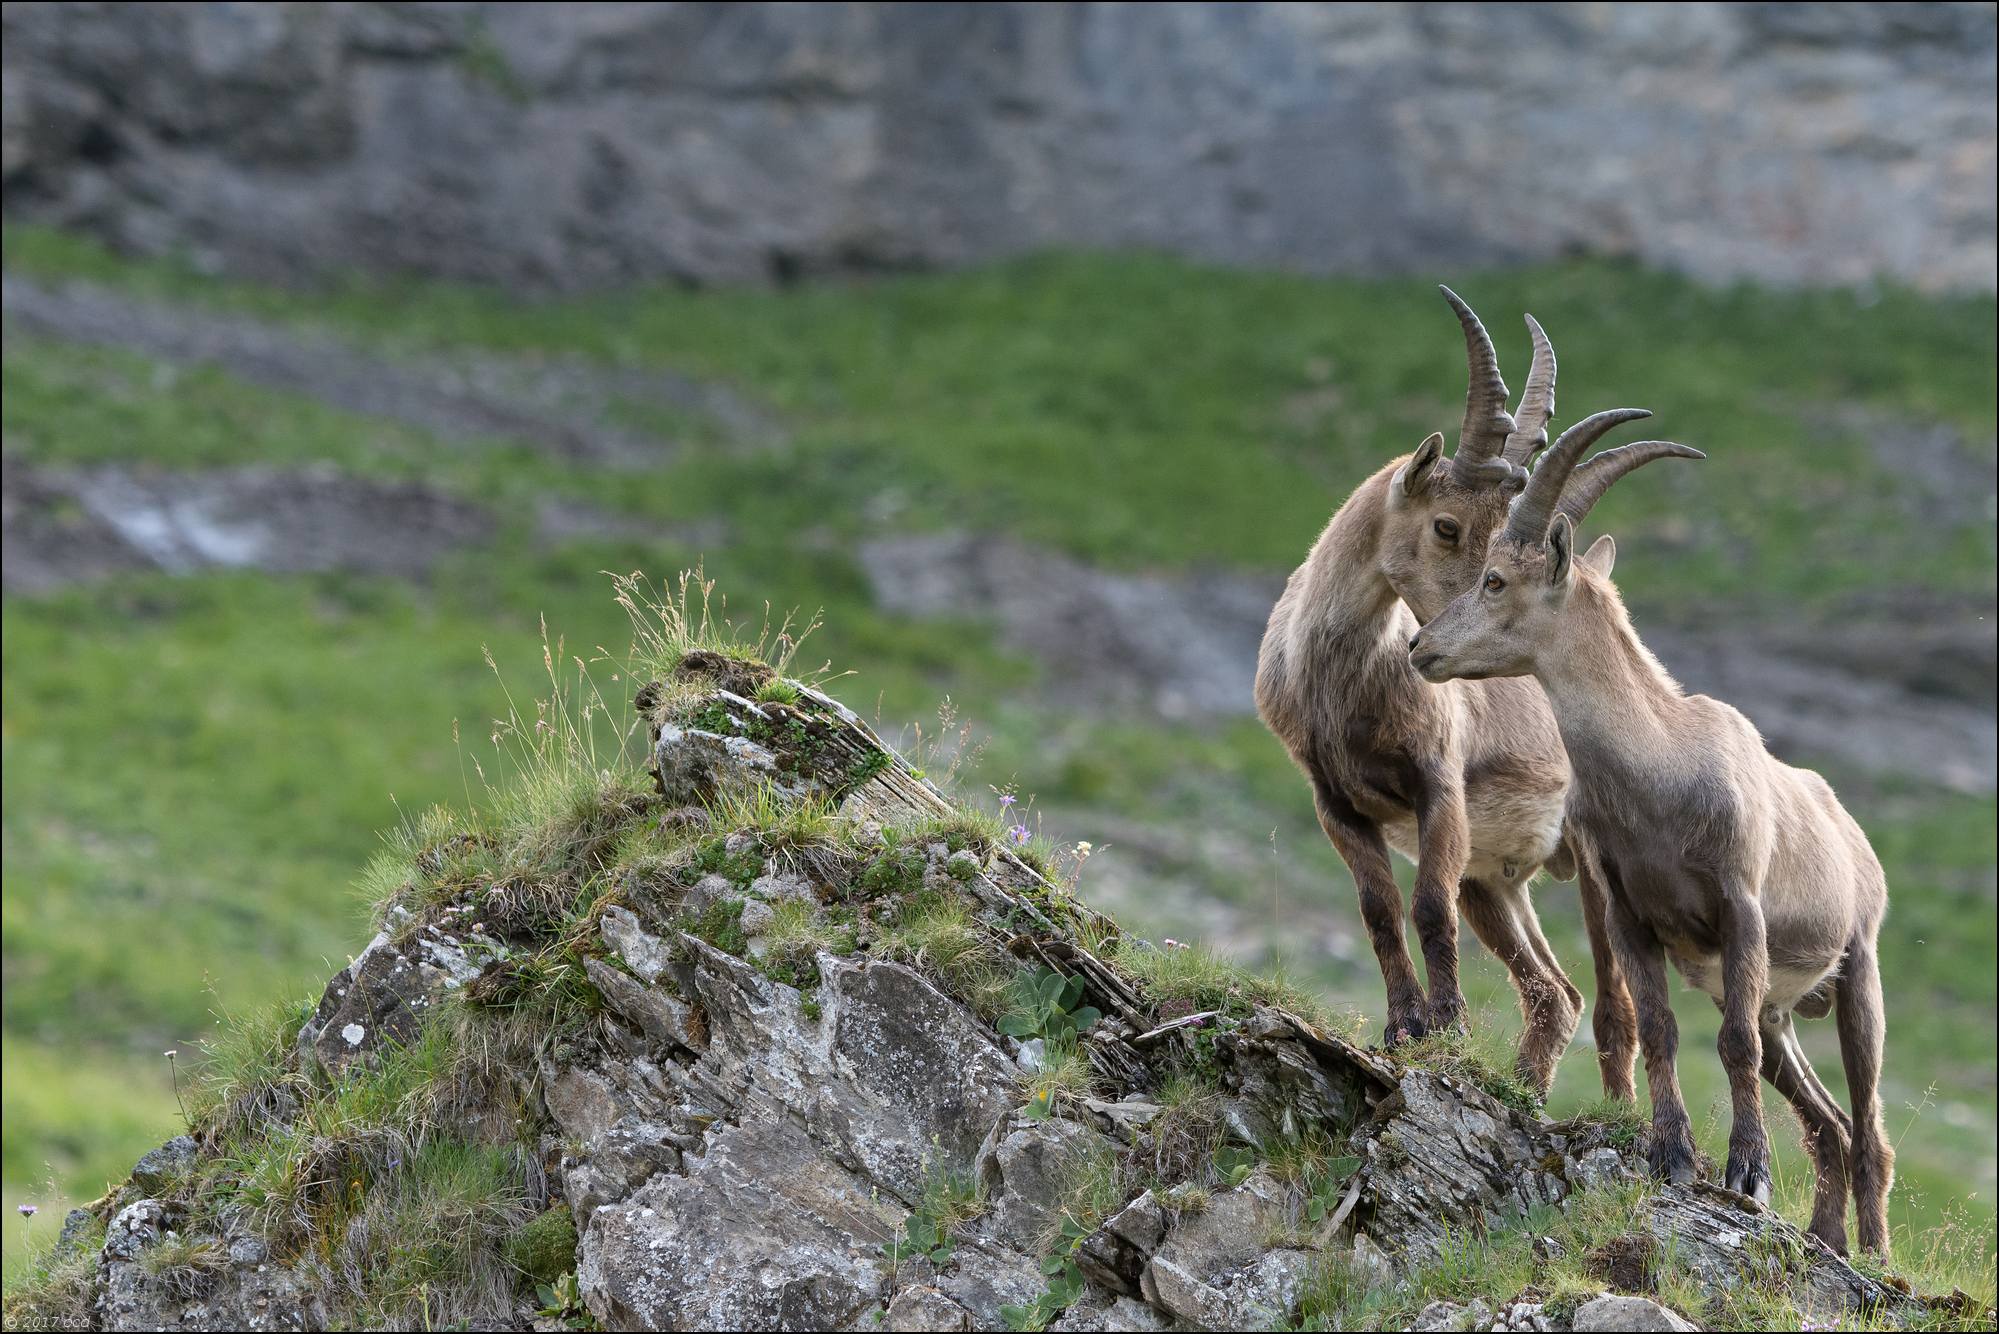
<point x="1749" y="1174"/>
<point x="1404" y="1028"/>
<point x="1672" y="1159"/>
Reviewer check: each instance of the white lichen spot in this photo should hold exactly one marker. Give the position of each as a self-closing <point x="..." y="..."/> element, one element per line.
<point x="353" y="1033"/>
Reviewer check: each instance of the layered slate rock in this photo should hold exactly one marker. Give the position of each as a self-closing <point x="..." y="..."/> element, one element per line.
<point x="741" y="1145"/>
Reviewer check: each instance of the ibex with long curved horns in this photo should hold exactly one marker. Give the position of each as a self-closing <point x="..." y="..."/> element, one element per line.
<point x="1468" y="782"/>
<point x="1747" y="872"/>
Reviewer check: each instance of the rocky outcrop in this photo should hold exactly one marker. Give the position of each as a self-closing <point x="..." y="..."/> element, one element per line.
<point x="588" y="145"/>
<point x="779" y="1119"/>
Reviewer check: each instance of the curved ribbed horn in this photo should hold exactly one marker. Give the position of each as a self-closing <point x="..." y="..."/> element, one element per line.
<point x="1588" y="482"/>
<point x="1534" y="508"/>
<point x="1487" y="421"/>
<point x="1537" y="401"/>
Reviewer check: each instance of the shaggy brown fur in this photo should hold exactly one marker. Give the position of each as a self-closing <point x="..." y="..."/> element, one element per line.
<point x="1746" y="872"/>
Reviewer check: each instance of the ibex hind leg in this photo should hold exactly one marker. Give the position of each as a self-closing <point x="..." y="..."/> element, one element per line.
<point x="1503" y="920"/>
<point x="1862" y="1031"/>
<point x="1615" y="1018"/>
<point x="1826" y="1129"/>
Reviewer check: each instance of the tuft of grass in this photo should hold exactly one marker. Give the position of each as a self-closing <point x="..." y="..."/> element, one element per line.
<point x="1065" y="1076"/>
<point x="779" y="822"/>
<point x="186" y="1267"/>
<point x="423" y="1245"/>
<point x="1481" y="1056"/>
<point x="248" y="1067"/>
<point x="721" y="925"/>
<point x="1621" y="1122"/>
<point x="1189" y="1127"/>
<point x="797" y="933"/>
<point x="668" y="624"/>
<point x="777" y="690"/>
<point x="952" y="1198"/>
<point x="942" y="936"/>
<point x="544" y="1247"/>
<point x="1094" y="1185"/>
<point x="1195" y="978"/>
<point x="54" y="1286"/>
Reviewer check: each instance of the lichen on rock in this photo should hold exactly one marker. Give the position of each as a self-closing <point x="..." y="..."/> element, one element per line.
<point x="590" y="1085"/>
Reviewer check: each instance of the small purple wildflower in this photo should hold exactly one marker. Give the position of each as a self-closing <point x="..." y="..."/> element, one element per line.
<point x="1006" y="799"/>
<point x="27" y="1210"/>
<point x="1019" y="834"/>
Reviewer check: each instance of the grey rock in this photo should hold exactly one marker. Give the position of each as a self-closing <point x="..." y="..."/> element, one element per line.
<point x="1600" y="1167"/>
<point x="984" y="1277"/>
<point x="1115" y="1254"/>
<point x="708" y="891"/>
<point x="1375" y="1263"/>
<point x="76" y="1226"/>
<point x="247" y="1297"/>
<point x="248" y="1250"/>
<point x="1027" y="1170"/>
<point x="1452" y="1316"/>
<point x="920" y="1307"/>
<point x="764" y="1231"/>
<point x="135" y="1227"/>
<point x="1446" y="1150"/>
<point x="1611" y="1314"/>
<point x="645" y="954"/>
<point x="1106" y="1313"/>
<point x="558" y="147"/>
<point x="757" y="917"/>
<point x="664" y="1018"/>
<point x="696" y="767"/>
<point x="778" y="886"/>
<point x="378" y="999"/>
<point x="1524" y="1316"/>
<point x="1210" y="1269"/>
<point x="163" y="1166"/>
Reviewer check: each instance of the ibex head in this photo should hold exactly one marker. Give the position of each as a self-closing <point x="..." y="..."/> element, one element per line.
<point x="1496" y="627"/>
<point x="1440" y="512"/>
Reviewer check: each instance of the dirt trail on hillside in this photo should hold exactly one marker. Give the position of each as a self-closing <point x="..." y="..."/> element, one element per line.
<point x="564" y="406"/>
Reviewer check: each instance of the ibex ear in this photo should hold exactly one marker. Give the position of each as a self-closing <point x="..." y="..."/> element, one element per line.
<point x="1602" y="555"/>
<point x="1561" y="541"/>
<point x="1422" y="465"/>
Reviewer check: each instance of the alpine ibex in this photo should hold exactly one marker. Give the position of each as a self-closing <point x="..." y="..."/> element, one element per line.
<point x="1746" y="872"/>
<point x="1469" y="781"/>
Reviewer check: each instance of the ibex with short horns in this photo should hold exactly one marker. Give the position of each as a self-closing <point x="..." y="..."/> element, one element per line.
<point x="1746" y="872"/>
<point x="1468" y="782"/>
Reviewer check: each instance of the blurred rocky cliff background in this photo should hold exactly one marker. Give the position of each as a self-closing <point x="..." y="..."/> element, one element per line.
<point x="577" y="146"/>
<point x="1034" y="344"/>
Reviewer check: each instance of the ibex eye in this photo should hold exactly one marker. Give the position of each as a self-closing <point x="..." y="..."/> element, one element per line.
<point x="1447" y="529"/>
<point x="1493" y="583"/>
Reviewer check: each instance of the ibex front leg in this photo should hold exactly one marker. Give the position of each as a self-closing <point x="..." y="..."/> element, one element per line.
<point x="1643" y="963"/>
<point x="1443" y="846"/>
<point x="1745" y="964"/>
<point x="1362" y="848"/>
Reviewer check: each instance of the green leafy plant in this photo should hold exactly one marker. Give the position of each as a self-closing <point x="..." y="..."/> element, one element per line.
<point x="1326" y="1185"/>
<point x="924" y="1235"/>
<point x="563" y="1300"/>
<point x="1234" y="1163"/>
<point x="1049" y="1009"/>
<point x="1065" y="1287"/>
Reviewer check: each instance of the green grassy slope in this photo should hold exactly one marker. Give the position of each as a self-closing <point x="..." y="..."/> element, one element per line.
<point x="194" y="767"/>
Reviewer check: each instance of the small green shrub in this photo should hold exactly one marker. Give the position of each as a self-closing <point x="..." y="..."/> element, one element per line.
<point x="544" y="1247"/>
